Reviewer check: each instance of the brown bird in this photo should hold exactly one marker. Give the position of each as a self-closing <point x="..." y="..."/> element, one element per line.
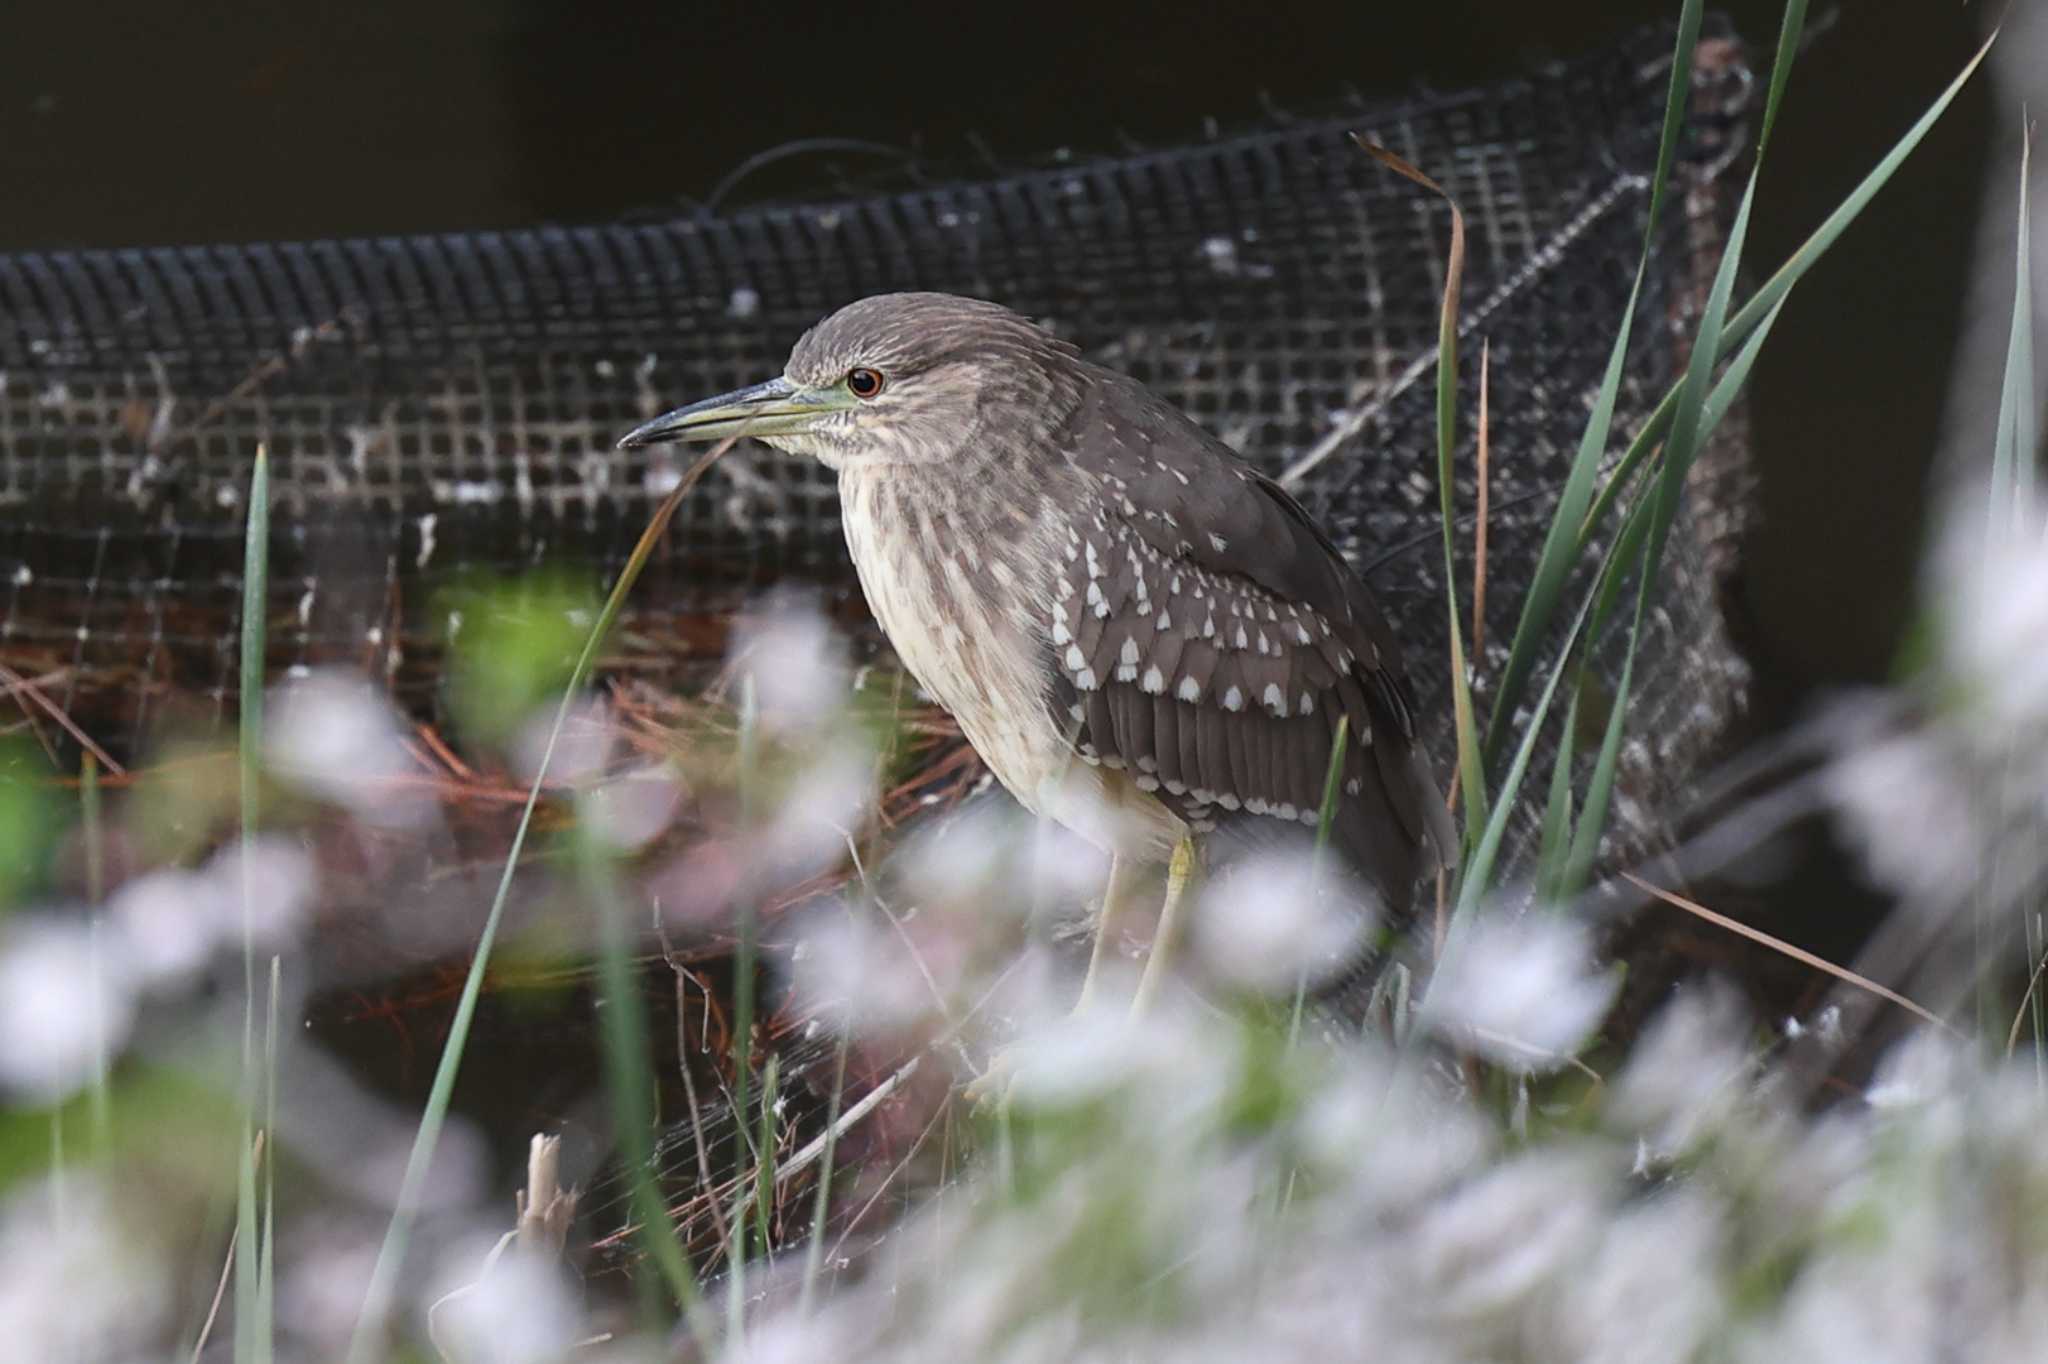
<point x="1142" y="636"/>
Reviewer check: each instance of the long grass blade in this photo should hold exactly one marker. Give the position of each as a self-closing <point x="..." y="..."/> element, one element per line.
<point x="1690" y="427"/>
<point x="1772" y="292"/>
<point x="629" y="1069"/>
<point x="743" y="1009"/>
<point x="252" y="1330"/>
<point x="1471" y="774"/>
<point x="1326" y="818"/>
<point x="370" y="1322"/>
<point x="266" y="1269"/>
<point x="2014" y="451"/>
<point x="1561" y="550"/>
<point x="821" y="1204"/>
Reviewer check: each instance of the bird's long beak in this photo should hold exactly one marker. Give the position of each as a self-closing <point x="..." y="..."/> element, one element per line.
<point x="776" y="408"/>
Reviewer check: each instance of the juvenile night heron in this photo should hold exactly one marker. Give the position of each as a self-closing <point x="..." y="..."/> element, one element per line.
<point x="1143" y="637"/>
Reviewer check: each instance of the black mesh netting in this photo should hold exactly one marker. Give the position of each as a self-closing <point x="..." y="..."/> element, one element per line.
<point x="435" y="404"/>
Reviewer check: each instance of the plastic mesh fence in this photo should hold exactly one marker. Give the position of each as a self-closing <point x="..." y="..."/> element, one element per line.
<point x="439" y="404"/>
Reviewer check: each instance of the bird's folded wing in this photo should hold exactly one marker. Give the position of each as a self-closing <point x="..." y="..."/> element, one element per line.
<point x="1207" y="637"/>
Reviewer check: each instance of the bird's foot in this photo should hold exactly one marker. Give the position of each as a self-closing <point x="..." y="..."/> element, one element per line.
<point x="990" y="1090"/>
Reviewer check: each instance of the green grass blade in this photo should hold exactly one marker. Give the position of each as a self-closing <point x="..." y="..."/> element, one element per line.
<point x="1562" y="549"/>
<point x="370" y="1322"/>
<point x="1478" y="872"/>
<point x="1772" y="292"/>
<point x="2014" y="451"/>
<point x="1683" y="45"/>
<point x="93" y="818"/>
<point x="764" y="1165"/>
<point x="743" y="1006"/>
<point x="1552" y="854"/>
<point x="1326" y="818"/>
<point x="252" y="1331"/>
<point x="1472" y="779"/>
<point x="266" y="1269"/>
<point x="821" y="1205"/>
<point x="1790" y="29"/>
<point x="1629" y="552"/>
<point x="629" y="1068"/>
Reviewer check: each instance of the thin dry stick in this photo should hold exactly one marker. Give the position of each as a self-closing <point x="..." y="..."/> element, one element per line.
<point x="227" y="1270"/>
<point x="220" y="1291"/>
<point x="17" y="685"/>
<point x="868" y="1103"/>
<point x="682" y="974"/>
<point x="1779" y="945"/>
<point x="2012" y="1039"/>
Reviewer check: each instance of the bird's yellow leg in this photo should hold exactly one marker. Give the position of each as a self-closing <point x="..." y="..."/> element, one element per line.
<point x="993" y="1085"/>
<point x="1167" y="936"/>
<point x="1116" y="897"/>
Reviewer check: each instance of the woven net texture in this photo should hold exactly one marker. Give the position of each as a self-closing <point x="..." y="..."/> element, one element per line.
<point x="436" y="406"/>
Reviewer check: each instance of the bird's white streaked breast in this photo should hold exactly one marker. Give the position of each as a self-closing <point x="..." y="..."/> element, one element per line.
<point x="973" y="634"/>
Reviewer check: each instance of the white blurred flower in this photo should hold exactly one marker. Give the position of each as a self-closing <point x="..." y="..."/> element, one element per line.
<point x="1276" y="919"/>
<point x="969" y="857"/>
<point x="1652" y="1267"/>
<point x="80" y="1286"/>
<point x="630" y="809"/>
<point x="499" y="1304"/>
<point x="823" y="803"/>
<point x="858" y="973"/>
<point x="164" y="926"/>
<point x="276" y="879"/>
<point x="1993" y="617"/>
<point x="582" y="750"/>
<point x="323" y="1274"/>
<point x="1922" y="1070"/>
<point x="1164" y="1064"/>
<point x="1685" y="1077"/>
<point x="1911" y="812"/>
<point x="797" y="661"/>
<point x="332" y="734"/>
<point x="1501" y="1241"/>
<point x="64" y="1008"/>
<point x="1388" y="1140"/>
<point x="1522" y="991"/>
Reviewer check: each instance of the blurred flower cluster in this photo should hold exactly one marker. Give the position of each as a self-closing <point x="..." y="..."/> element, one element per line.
<point x="1225" y="1176"/>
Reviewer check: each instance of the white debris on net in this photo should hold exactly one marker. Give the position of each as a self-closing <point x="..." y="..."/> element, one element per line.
<point x="743" y="304"/>
<point x="427" y="523"/>
<point x="1521" y="991"/>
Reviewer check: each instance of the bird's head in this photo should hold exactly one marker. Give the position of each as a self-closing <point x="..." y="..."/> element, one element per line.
<point x="895" y="379"/>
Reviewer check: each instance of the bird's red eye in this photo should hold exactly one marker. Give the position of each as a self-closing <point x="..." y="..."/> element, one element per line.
<point x="864" y="383"/>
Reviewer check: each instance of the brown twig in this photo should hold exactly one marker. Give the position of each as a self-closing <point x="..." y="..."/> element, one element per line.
<point x="1797" y="954"/>
<point x="17" y="685"/>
